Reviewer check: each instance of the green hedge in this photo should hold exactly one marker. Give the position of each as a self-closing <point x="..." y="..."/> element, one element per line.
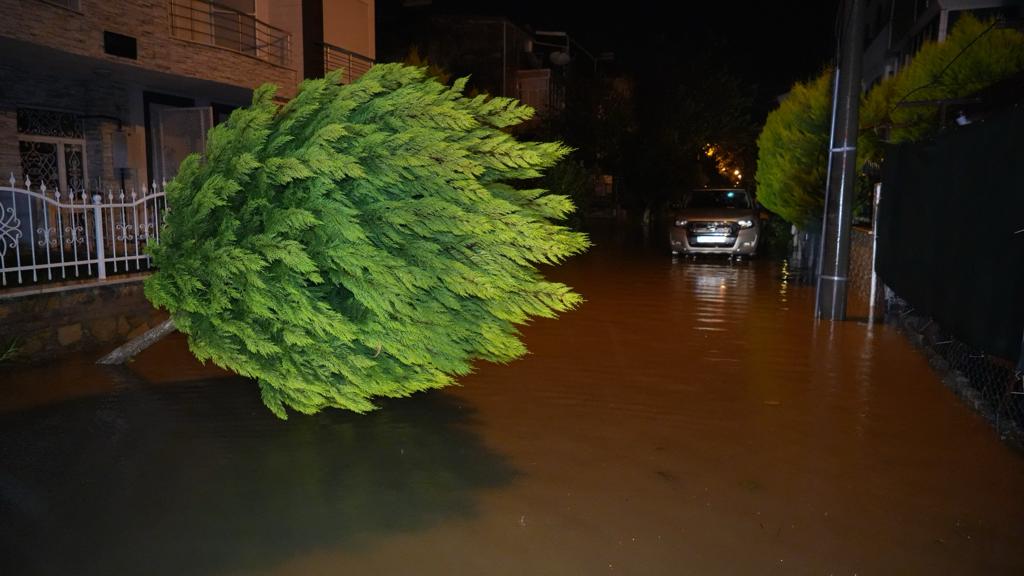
<point x="793" y="156"/>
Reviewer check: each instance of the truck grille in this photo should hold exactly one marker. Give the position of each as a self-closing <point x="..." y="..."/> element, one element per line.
<point x="723" y="233"/>
<point x="713" y="228"/>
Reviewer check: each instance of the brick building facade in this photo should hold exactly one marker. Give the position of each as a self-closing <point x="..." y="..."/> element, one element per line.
<point x="102" y="94"/>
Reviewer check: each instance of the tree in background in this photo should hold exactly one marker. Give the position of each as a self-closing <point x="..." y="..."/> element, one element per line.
<point x="685" y="104"/>
<point x="793" y="152"/>
<point x="572" y="179"/>
<point x="362" y="241"/>
<point x="793" y="146"/>
<point x="599" y="122"/>
<point x="414" y="58"/>
<point x="974" y="56"/>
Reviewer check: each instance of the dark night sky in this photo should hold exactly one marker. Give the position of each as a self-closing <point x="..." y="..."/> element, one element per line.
<point x="768" y="44"/>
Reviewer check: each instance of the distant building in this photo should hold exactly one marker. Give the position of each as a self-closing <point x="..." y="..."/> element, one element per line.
<point x="96" y="93"/>
<point x="500" y="57"/>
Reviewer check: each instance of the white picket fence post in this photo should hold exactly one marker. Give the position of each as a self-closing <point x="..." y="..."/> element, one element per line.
<point x="97" y="213"/>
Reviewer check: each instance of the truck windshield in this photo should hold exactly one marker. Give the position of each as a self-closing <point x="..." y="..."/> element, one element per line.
<point x="718" y="199"/>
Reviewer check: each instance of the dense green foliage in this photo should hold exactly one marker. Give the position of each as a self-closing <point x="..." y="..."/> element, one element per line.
<point x="793" y="152"/>
<point x="975" y="55"/>
<point x="792" y="158"/>
<point x="684" y="104"/>
<point x="570" y="178"/>
<point x="362" y="241"/>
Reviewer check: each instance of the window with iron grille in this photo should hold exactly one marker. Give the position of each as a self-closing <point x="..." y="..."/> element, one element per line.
<point x="36" y="122"/>
<point x="51" y="146"/>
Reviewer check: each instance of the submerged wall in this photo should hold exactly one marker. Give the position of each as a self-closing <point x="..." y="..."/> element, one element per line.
<point x="48" y="322"/>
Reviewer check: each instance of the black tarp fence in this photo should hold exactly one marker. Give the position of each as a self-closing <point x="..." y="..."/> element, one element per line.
<point x="951" y="231"/>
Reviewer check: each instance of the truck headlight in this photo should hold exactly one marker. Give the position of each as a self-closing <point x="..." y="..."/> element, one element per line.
<point x="746" y="223"/>
<point x="682" y="222"/>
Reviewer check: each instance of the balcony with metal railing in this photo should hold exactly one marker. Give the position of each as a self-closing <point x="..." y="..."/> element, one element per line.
<point x="217" y="25"/>
<point x="352" y="64"/>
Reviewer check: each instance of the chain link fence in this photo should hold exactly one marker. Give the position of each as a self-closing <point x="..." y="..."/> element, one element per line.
<point x="990" y="385"/>
<point x="948" y="246"/>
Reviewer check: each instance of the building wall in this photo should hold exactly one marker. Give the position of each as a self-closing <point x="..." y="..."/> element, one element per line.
<point x="865" y="296"/>
<point x="90" y="83"/>
<point x="53" y="58"/>
<point x="40" y="89"/>
<point x="491" y="51"/>
<point x="349" y="24"/>
<point x="10" y="160"/>
<point x="878" y="15"/>
<point x="45" y="325"/>
<point x="286" y="16"/>
<point x="80" y="78"/>
<point x="976" y="4"/>
<point x="896" y="29"/>
<point x="81" y="33"/>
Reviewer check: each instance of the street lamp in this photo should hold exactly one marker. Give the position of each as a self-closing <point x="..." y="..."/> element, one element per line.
<point x="561" y="58"/>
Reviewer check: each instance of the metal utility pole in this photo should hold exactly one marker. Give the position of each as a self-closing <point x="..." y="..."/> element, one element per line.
<point x="842" y="181"/>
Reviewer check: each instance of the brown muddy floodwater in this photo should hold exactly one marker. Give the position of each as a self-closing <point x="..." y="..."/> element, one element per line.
<point x="690" y="418"/>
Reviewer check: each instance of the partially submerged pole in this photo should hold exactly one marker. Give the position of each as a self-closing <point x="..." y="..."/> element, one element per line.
<point x="839" y="196"/>
<point x="129" y="349"/>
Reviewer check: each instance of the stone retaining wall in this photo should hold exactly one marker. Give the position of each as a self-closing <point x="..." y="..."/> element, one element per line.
<point x="45" y="325"/>
<point x="859" y="288"/>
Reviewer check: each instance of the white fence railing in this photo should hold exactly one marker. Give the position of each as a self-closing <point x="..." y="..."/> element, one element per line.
<point x="49" y="235"/>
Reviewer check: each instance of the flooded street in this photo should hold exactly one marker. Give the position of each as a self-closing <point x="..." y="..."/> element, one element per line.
<point x="689" y="418"/>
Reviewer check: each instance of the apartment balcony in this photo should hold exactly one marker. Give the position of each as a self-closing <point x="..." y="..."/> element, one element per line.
<point x="217" y="25"/>
<point x="352" y="64"/>
<point x="154" y="44"/>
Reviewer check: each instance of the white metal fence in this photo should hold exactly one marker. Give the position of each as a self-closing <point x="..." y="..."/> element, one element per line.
<point x="49" y="235"/>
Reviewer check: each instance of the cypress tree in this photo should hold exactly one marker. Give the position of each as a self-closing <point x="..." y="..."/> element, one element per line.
<point x="793" y="152"/>
<point x="793" y="146"/>
<point x="362" y="240"/>
<point x="975" y="55"/>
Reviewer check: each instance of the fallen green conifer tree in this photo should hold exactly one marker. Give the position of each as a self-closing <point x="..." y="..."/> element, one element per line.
<point x="361" y="241"/>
